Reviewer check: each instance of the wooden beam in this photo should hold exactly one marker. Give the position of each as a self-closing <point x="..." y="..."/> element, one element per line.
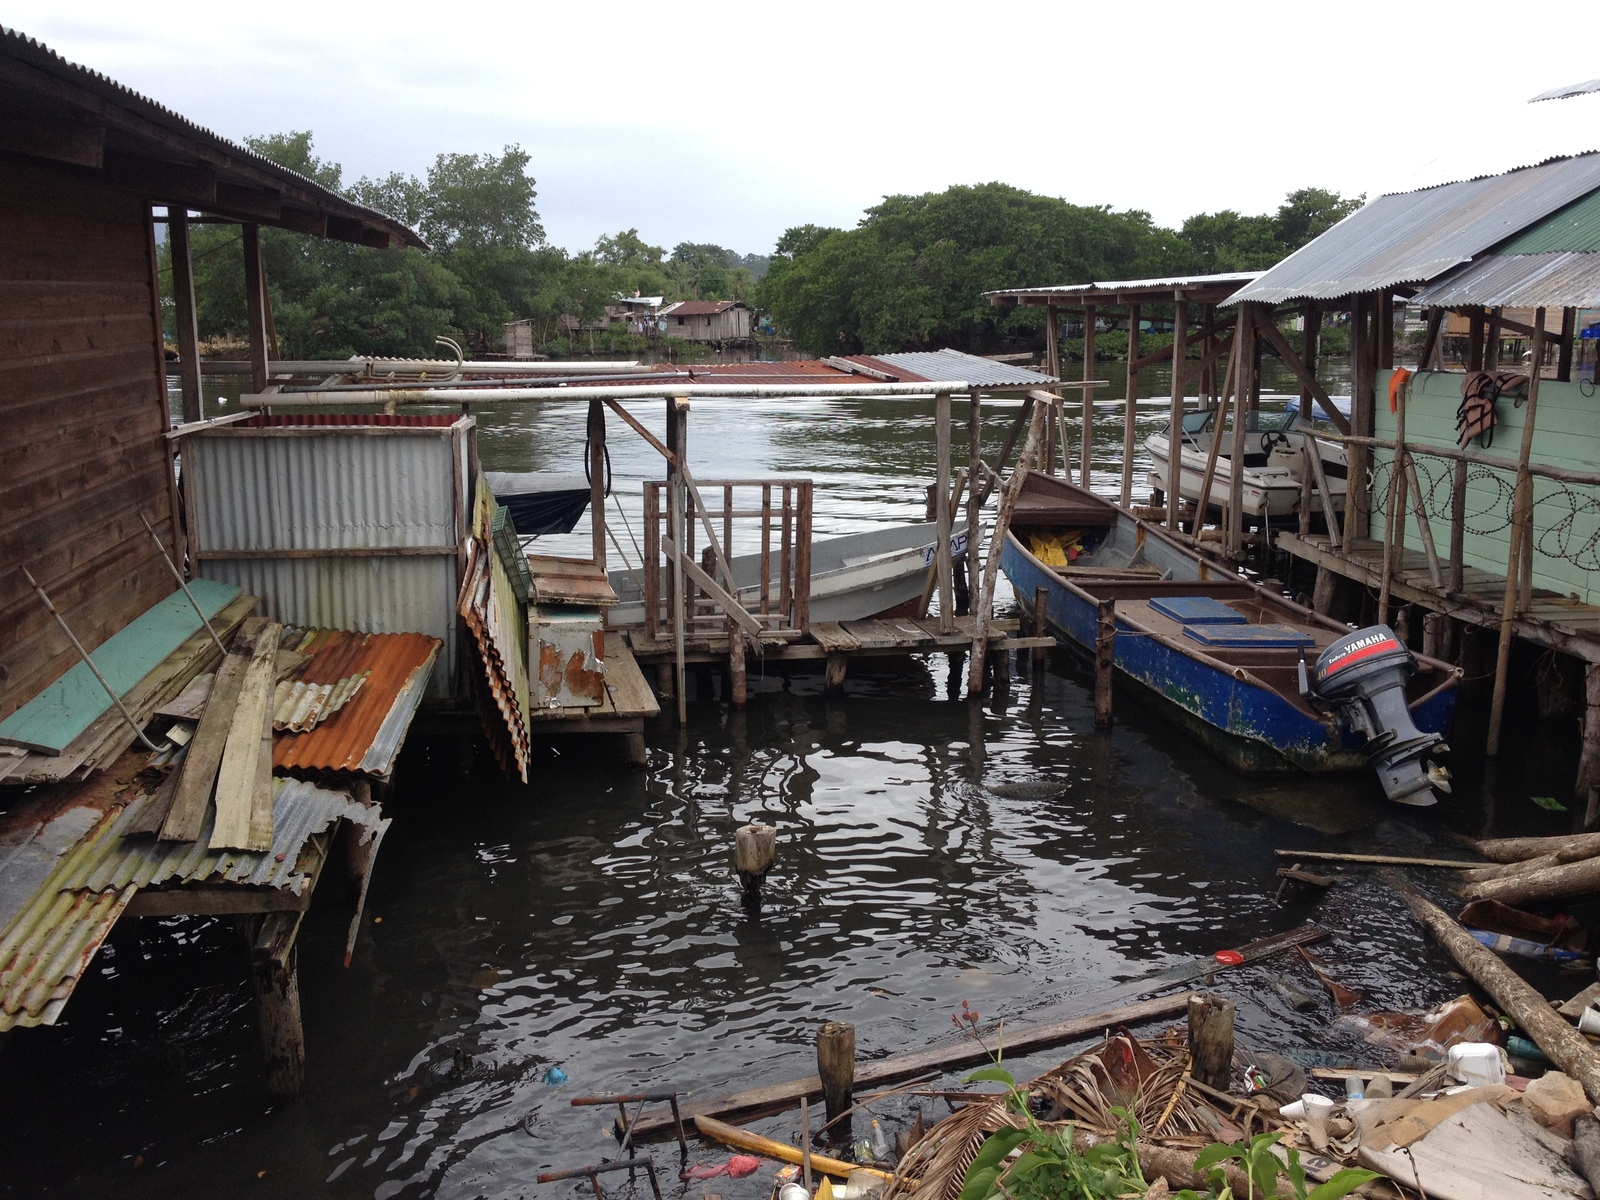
<point x="633" y="423"/>
<point x="198" y="773"/>
<point x="1130" y="404"/>
<point x="1431" y="340"/>
<point x="249" y="203"/>
<point x="1180" y="342"/>
<point x="712" y="588"/>
<point x="238" y="776"/>
<point x="1308" y="381"/>
<point x="188" y="331"/>
<point x="190" y="184"/>
<point x="255" y="310"/>
<point x="46" y="131"/>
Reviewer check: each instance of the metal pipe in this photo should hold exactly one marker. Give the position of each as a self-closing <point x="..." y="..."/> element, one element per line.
<point x="89" y="662"/>
<point x="178" y="575"/>
<point x="411" y="366"/>
<point x="642" y="391"/>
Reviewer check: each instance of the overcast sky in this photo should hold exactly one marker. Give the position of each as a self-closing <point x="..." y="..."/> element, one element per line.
<point x="729" y="123"/>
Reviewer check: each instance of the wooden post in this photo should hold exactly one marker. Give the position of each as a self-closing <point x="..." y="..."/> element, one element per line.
<point x="1358" y="507"/>
<point x="1041" y="622"/>
<point x="1243" y="352"/>
<point x="276" y="980"/>
<point x="1052" y="348"/>
<point x="1475" y="340"/>
<point x="1491" y="349"/>
<point x="1322" y="591"/>
<point x="833" y="673"/>
<point x="1310" y="333"/>
<point x="941" y="441"/>
<point x="1589" y="763"/>
<point x="255" y="308"/>
<point x="1088" y="396"/>
<point x="1130" y="402"/>
<point x="1394" y="525"/>
<point x="1458" y="525"/>
<point x="597" y="483"/>
<point x="836" y="1065"/>
<point x="1180" y="334"/>
<point x="974" y="506"/>
<point x="1230" y="385"/>
<point x="1385" y="320"/>
<point x="1211" y="1040"/>
<point x="754" y="849"/>
<point x="1105" y="642"/>
<point x="738" y="679"/>
<point x="1569" y="334"/>
<point x="1419" y="509"/>
<point x="1521" y="530"/>
<point x="188" y="332"/>
<point x="1305" y="486"/>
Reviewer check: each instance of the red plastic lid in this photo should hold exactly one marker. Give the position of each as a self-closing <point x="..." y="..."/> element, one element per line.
<point x="1228" y="958"/>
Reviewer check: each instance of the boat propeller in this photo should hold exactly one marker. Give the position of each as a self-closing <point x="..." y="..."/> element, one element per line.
<point x="1362" y="679"/>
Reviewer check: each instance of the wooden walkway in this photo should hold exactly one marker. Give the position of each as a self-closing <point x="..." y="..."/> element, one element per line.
<point x="1553" y="620"/>
<point x="880" y="637"/>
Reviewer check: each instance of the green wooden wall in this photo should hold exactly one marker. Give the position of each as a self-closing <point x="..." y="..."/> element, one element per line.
<point x="1566" y="517"/>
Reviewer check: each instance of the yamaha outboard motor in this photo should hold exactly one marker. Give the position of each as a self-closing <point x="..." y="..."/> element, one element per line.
<point x="1362" y="678"/>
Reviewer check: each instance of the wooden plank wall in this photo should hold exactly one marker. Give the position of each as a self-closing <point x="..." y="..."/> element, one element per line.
<point x="1566" y="434"/>
<point x="83" y="406"/>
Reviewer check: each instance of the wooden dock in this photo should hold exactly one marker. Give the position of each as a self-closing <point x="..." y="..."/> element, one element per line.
<point x="628" y="700"/>
<point x="1553" y="620"/>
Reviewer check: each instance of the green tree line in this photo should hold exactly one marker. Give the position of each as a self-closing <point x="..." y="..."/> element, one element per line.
<point x="488" y="263"/>
<point x="913" y="273"/>
<point x="910" y="275"/>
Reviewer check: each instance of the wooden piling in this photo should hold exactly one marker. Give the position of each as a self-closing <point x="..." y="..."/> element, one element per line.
<point x="1211" y="1040"/>
<point x="1088" y="396"/>
<point x="1174" y="480"/>
<point x="836" y="1066"/>
<point x="1521" y="531"/>
<point x="1589" y="764"/>
<point x="1130" y="398"/>
<point x="1041" y="623"/>
<point x="941" y="439"/>
<point x="1105" y="641"/>
<point x="275" y="976"/>
<point x="834" y="671"/>
<point x="974" y="505"/>
<point x="754" y="849"/>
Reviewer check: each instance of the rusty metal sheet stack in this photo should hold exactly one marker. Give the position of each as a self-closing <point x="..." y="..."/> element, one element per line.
<point x="494" y="619"/>
<point x="362" y="736"/>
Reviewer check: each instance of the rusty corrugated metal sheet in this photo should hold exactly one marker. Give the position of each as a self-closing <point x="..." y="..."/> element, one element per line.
<point x="110" y="861"/>
<point x="1561" y="280"/>
<point x="48" y="949"/>
<point x="1414" y="237"/>
<point x="569" y="581"/>
<point x="363" y="737"/>
<point x="495" y="621"/>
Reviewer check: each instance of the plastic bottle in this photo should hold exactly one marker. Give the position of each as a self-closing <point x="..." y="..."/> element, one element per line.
<point x="1353" y="1088"/>
<point x="880" y="1142"/>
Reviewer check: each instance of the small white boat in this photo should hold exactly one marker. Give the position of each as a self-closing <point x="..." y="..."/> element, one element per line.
<point x="1273" y="463"/>
<point x="878" y="573"/>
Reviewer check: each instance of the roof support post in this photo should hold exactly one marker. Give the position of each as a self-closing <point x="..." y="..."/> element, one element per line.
<point x="1569" y="334"/>
<point x="1475" y="340"/>
<point x="1243" y="357"/>
<point x="1358" y="505"/>
<point x="188" y="331"/>
<point x="1052" y="349"/>
<point x="1130" y="399"/>
<point x="1310" y="332"/>
<point x="1088" y="395"/>
<point x="1180" y="335"/>
<point x="255" y="306"/>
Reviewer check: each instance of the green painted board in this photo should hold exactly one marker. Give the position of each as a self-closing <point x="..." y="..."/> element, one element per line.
<point x="53" y="718"/>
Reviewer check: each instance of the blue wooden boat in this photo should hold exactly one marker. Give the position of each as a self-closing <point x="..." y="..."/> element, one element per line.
<point x="1213" y="651"/>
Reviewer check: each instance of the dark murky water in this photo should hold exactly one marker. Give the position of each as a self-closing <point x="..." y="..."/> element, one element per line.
<point x="929" y="851"/>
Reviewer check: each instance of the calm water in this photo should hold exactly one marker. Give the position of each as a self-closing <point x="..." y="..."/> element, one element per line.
<point x="930" y="851"/>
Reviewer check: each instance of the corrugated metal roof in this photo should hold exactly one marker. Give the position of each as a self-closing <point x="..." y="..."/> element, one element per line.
<point x="938" y="366"/>
<point x="364" y="737"/>
<point x="1572" y="89"/>
<point x="17" y="45"/>
<point x="699" y="308"/>
<point x="1414" y="237"/>
<point x="41" y="826"/>
<point x="1077" y="291"/>
<point x="109" y="860"/>
<point x="1575" y="227"/>
<point x="47" y="950"/>
<point x="1560" y="280"/>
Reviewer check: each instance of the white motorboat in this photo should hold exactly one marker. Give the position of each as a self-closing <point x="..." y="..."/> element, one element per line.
<point x="1273" y="463"/>
<point x="878" y="573"/>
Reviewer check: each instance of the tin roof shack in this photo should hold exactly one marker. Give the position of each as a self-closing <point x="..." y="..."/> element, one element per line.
<point x="1504" y="530"/>
<point x="720" y="322"/>
<point x="99" y="646"/>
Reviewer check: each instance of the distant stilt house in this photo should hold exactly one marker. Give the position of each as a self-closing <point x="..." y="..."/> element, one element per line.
<point x="708" y="320"/>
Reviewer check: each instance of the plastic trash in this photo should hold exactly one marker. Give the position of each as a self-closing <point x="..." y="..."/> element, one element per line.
<point x="736" y="1167"/>
<point x="1477" y="1063"/>
<point x="1354" y="1088"/>
<point x="880" y="1142"/>
<point x="555" y="1076"/>
<point x="793" y="1191"/>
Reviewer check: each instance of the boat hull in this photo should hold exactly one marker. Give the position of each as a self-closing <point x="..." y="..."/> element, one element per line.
<point x="1253" y="728"/>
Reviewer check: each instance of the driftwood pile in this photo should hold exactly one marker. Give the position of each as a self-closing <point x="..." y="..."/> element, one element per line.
<point x="1533" y="869"/>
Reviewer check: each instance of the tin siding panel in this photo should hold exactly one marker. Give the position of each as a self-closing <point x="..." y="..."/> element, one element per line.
<point x="84" y="407"/>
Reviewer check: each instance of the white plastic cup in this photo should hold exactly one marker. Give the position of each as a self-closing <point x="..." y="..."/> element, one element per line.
<point x="793" y="1191"/>
<point x="1317" y="1107"/>
<point x="1295" y="1110"/>
<point x="1589" y="1021"/>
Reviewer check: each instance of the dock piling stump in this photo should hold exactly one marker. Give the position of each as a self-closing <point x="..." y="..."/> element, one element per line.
<point x="836" y="1065"/>
<point x="754" y="849"/>
<point x="665" y="682"/>
<point x="1589" y="763"/>
<point x="1211" y="1040"/>
<point x="276" y="980"/>
<point x="633" y="750"/>
<point x="1041" y="608"/>
<point x="1322" y="593"/>
<point x="834" y="672"/>
<point x="738" y="681"/>
<point x="1105" y="652"/>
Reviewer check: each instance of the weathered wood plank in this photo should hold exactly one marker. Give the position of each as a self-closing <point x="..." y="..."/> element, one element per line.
<point x="239" y="776"/>
<point x="832" y="636"/>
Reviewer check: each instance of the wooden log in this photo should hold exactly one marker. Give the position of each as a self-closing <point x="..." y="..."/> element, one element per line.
<point x="1560" y="882"/>
<point x="836" y="1066"/>
<point x="1105" y="643"/>
<point x="238" y="776"/>
<point x="1211" y="1040"/>
<point x="198" y="773"/>
<point x="1521" y="531"/>
<point x="1518" y="849"/>
<point x="754" y="848"/>
<point x="1563" y="1044"/>
<point x="947" y="1056"/>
